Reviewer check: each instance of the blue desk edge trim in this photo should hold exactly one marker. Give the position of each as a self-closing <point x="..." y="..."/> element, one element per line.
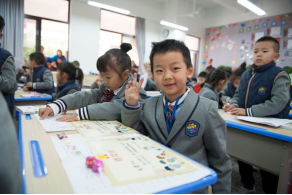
<point x="290" y="115"/>
<point x="193" y="186"/>
<point x="258" y="130"/>
<point x="20" y="145"/>
<point x="33" y="98"/>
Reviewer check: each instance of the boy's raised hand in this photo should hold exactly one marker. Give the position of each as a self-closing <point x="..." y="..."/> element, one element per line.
<point x="132" y="91"/>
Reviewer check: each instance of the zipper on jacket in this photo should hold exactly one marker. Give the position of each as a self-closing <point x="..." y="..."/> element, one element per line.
<point x="247" y="91"/>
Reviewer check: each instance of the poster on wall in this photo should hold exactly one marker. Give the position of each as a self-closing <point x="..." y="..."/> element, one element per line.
<point x="276" y="31"/>
<point x="256" y="36"/>
<point x="288" y="32"/>
<point x="287" y="44"/>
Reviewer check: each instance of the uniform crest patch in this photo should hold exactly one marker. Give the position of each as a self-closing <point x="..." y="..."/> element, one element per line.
<point x="192" y="128"/>
<point x="262" y="90"/>
<point x="38" y="79"/>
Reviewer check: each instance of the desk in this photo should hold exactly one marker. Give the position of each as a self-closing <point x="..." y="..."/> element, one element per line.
<point x="290" y="114"/>
<point x="56" y="182"/>
<point x="263" y="146"/>
<point x="21" y="101"/>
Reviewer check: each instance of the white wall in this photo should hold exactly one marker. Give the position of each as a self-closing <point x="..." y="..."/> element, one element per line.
<point x="218" y="16"/>
<point x="85" y="27"/>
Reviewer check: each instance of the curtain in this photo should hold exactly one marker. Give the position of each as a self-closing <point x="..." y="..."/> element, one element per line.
<point x="13" y="13"/>
<point x="140" y="42"/>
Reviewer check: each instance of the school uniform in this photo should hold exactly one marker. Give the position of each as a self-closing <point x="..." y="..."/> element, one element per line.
<point x="151" y="85"/>
<point x="206" y="143"/>
<point x="64" y="89"/>
<point x="96" y="104"/>
<point x="228" y="92"/>
<point x="209" y="93"/>
<point x="8" y="83"/>
<point x="10" y="168"/>
<point x="263" y="92"/>
<point x="42" y="80"/>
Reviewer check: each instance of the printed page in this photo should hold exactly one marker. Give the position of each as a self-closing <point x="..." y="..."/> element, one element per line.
<point x="51" y="125"/>
<point x="91" y="129"/>
<point x="83" y="180"/>
<point x="275" y="122"/>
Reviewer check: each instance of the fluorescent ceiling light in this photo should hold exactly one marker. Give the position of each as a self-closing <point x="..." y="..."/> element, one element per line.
<point x="252" y="7"/>
<point x="108" y="7"/>
<point x="162" y="22"/>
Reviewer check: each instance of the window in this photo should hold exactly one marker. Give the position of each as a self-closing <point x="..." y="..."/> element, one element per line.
<point x="115" y="30"/>
<point x="193" y="44"/>
<point x="46" y="24"/>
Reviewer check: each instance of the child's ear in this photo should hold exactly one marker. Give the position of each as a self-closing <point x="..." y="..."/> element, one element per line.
<point x="190" y="72"/>
<point x="125" y="74"/>
<point x="277" y="55"/>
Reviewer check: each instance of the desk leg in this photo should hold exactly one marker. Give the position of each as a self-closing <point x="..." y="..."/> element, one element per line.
<point x="286" y="169"/>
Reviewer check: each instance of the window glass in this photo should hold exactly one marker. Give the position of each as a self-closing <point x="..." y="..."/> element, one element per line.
<point x="117" y="22"/>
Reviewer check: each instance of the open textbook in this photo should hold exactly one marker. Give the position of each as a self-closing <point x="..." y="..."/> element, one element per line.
<point x="274" y="122"/>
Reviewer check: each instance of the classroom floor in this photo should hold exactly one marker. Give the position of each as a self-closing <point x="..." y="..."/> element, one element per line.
<point x="235" y="179"/>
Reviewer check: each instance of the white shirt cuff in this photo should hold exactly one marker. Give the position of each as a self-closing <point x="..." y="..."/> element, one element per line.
<point x="55" y="109"/>
<point x="77" y="111"/>
<point x="34" y="85"/>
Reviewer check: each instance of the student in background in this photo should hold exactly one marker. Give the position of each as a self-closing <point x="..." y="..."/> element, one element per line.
<point x="135" y="69"/>
<point x="60" y="60"/>
<point x="179" y="118"/>
<point x="229" y="90"/>
<point x="266" y="87"/>
<point x="10" y="168"/>
<point x="228" y="74"/>
<point x="202" y="77"/>
<point x="66" y="76"/>
<point x="53" y="65"/>
<point x="103" y="103"/>
<point x="55" y="57"/>
<point x="214" y="83"/>
<point x="8" y="83"/>
<point x="23" y="71"/>
<point x="151" y="85"/>
<point x="76" y="64"/>
<point x="194" y="81"/>
<point x="96" y="84"/>
<point x="40" y="79"/>
<point x="209" y="69"/>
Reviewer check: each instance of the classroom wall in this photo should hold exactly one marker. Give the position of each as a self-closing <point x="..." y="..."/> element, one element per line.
<point x="85" y="27"/>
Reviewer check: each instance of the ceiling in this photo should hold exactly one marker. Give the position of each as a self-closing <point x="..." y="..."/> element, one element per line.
<point x="201" y="3"/>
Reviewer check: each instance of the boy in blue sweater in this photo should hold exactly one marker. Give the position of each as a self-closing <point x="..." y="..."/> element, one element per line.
<point x="8" y="83"/>
<point x="263" y="92"/>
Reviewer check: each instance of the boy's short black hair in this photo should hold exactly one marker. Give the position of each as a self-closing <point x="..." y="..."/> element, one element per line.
<point x="135" y="66"/>
<point x="2" y="23"/>
<point x="194" y="79"/>
<point x="171" y="45"/>
<point x="76" y="63"/>
<point x="276" y="44"/>
<point x="61" y="58"/>
<point x="202" y="74"/>
<point x="38" y="57"/>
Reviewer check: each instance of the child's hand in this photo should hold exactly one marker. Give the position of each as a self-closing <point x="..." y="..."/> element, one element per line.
<point x="70" y="118"/>
<point x="29" y="84"/>
<point x="25" y="88"/>
<point x="238" y="111"/>
<point x="132" y="91"/>
<point x="229" y="100"/>
<point x="227" y="108"/>
<point x="98" y="81"/>
<point x="43" y="112"/>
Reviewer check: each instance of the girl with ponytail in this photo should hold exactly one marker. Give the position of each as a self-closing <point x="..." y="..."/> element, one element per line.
<point x="105" y="102"/>
<point x="67" y="75"/>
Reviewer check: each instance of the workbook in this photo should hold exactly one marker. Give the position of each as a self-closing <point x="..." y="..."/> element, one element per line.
<point x="274" y="122"/>
<point x="134" y="164"/>
<point x="91" y="129"/>
<point x="29" y="109"/>
<point x="50" y="124"/>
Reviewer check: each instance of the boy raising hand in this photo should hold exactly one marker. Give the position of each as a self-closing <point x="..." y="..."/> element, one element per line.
<point x="179" y="118"/>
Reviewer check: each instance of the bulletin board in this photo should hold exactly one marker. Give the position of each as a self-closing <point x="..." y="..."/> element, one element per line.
<point x="233" y="44"/>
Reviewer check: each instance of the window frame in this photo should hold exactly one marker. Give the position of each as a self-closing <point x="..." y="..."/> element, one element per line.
<point x="39" y="27"/>
<point x="195" y="75"/>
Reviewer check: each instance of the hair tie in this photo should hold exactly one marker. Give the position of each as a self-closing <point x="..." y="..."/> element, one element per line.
<point x="76" y="72"/>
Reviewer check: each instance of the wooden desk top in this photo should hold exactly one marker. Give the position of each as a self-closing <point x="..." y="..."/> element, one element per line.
<point x="267" y="128"/>
<point x="18" y="92"/>
<point x="56" y="181"/>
